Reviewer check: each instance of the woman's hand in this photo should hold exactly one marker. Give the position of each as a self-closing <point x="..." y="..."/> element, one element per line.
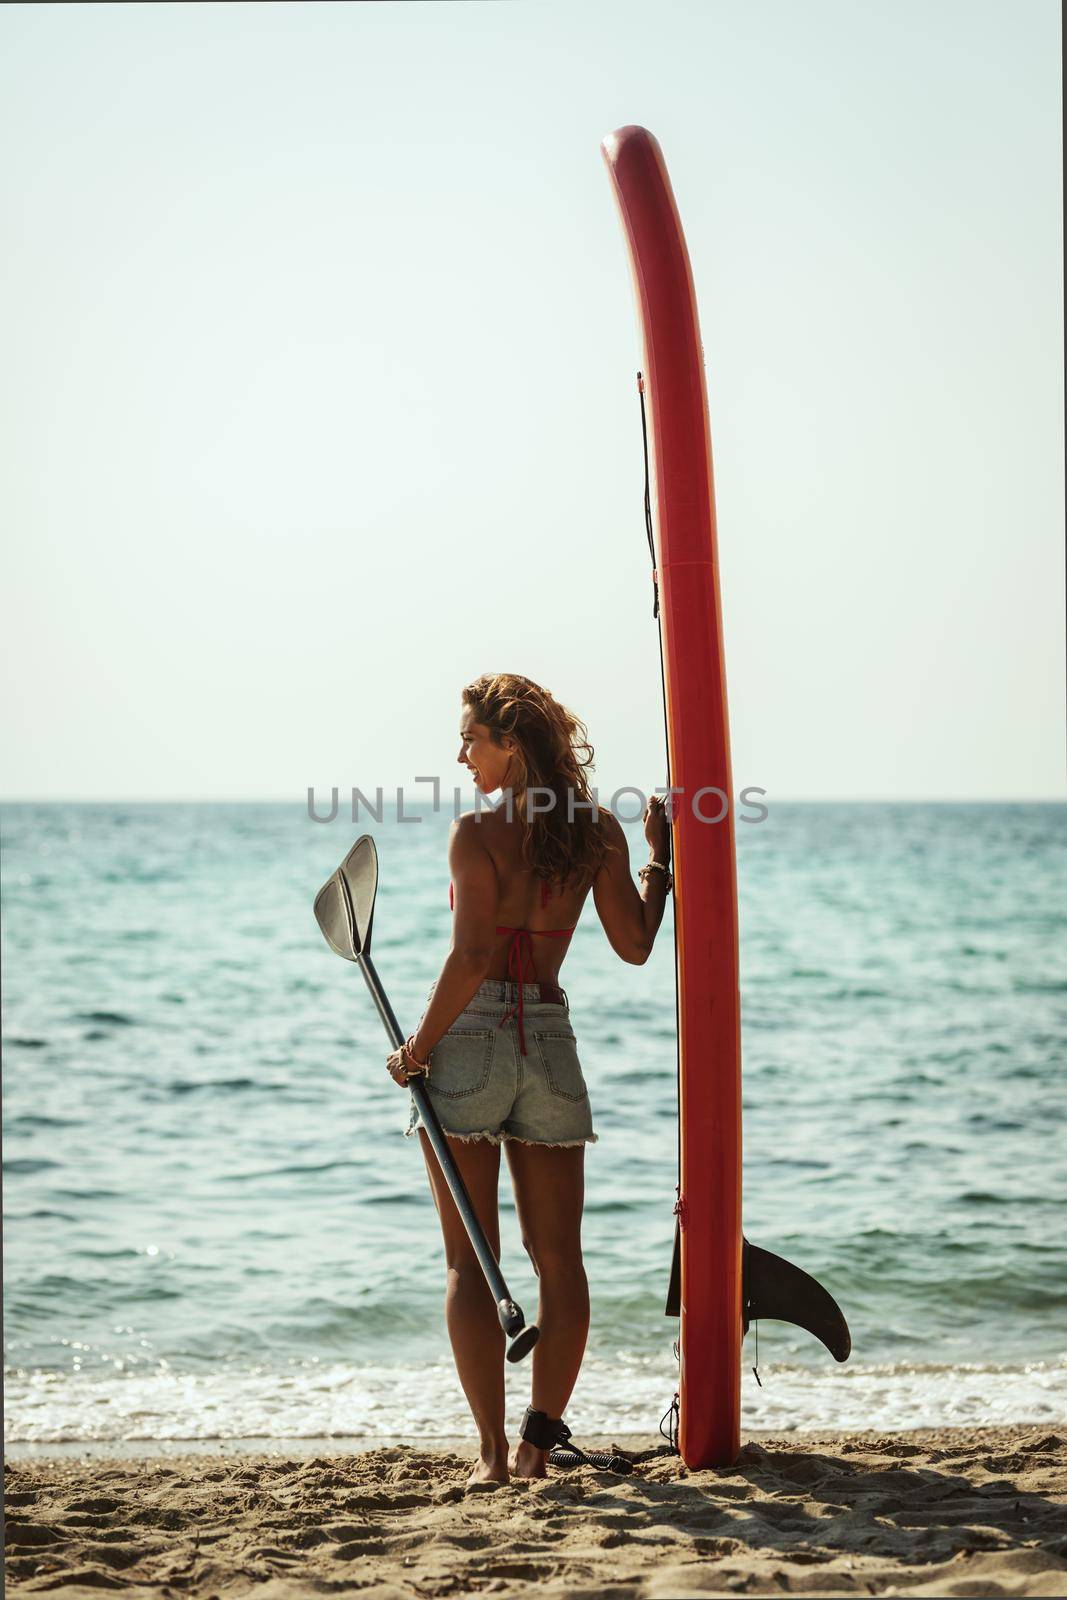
<point x="658" y="829"/>
<point x="403" y="1064"/>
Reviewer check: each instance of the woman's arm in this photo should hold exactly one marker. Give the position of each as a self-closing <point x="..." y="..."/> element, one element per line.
<point x="632" y="915"/>
<point x="477" y="896"/>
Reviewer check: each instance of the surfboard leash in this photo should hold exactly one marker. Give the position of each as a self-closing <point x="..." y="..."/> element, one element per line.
<point x="674" y="1408"/>
<point x="553" y="1435"/>
<point x="650" y="535"/>
<point x="608" y="1460"/>
<point x="648" y="497"/>
<point x="670" y="1432"/>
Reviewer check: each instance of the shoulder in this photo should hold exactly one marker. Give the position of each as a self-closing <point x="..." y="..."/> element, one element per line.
<point x="468" y="827"/>
<point x="611" y="832"/>
<point x="470" y="861"/>
<point x="610" y="825"/>
<point x="467" y="838"/>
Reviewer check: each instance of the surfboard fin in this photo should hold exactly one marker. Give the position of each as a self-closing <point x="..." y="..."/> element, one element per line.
<point x="775" y="1289"/>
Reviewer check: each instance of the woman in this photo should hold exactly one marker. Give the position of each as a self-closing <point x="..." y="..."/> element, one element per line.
<point x="496" y="1042"/>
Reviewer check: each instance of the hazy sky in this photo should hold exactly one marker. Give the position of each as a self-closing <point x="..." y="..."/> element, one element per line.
<point x="319" y="387"/>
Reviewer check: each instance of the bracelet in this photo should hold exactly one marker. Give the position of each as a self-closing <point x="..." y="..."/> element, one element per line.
<point x="657" y="866"/>
<point x="409" y="1051"/>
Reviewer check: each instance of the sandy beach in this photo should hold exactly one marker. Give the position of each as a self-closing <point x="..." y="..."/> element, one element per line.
<point x="946" y="1512"/>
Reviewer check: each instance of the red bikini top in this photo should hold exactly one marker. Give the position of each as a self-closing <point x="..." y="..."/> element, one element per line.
<point x="521" y="966"/>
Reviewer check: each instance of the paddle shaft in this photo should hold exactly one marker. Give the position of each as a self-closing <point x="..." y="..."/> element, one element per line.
<point x="489" y="1264"/>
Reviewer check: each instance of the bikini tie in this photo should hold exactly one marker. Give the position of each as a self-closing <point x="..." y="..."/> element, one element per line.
<point x="520" y="956"/>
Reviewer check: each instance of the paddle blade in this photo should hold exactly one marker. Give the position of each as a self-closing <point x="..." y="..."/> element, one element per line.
<point x="344" y="906"/>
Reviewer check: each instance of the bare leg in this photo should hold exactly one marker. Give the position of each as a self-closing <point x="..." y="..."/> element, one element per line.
<point x="549" y="1185"/>
<point x="470" y="1311"/>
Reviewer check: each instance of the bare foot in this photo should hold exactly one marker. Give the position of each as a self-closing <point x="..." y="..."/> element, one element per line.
<point x="526" y="1461"/>
<point x="489" y="1470"/>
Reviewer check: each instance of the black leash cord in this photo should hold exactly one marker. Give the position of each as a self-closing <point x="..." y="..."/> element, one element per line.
<point x="670" y="1432"/>
<point x="648" y="497"/>
<point x="666" y="741"/>
<point x="649" y="534"/>
<point x="673" y="1409"/>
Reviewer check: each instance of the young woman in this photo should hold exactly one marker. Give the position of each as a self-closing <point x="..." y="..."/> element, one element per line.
<point x="496" y="1042"/>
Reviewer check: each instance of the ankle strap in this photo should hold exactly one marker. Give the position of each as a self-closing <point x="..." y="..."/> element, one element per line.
<point x="553" y="1435"/>
<point x="541" y="1430"/>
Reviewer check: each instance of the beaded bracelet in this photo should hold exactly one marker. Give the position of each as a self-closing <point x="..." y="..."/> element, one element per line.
<point x="657" y="866"/>
<point x="413" y="1060"/>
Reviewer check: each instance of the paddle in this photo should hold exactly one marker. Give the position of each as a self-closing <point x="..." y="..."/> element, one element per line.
<point x="344" y="910"/>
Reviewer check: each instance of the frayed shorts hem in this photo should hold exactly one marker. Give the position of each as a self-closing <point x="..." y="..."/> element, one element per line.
<point x="553" y="1144"/>
<point x="498" y="1138"/>
<point x="468" y="1138"/>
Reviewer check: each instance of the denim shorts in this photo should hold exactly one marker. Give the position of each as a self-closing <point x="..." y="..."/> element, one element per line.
<point x="482" y="1087"/>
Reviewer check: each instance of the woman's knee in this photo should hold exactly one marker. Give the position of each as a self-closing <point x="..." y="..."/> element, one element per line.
<point x="556" y="1261"/>
<point x="464" y="1271"/>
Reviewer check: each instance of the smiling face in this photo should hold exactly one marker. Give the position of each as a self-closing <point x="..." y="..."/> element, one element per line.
<point x="484" y="759"/>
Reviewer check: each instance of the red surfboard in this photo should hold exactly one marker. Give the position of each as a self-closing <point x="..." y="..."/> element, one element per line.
<point x="698" y="742"/>
<point x="720" y="1283"/>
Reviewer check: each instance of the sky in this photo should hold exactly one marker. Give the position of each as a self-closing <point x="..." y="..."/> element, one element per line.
<point x="319" y="391"/>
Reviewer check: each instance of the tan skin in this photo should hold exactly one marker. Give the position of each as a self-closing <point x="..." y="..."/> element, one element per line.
<point x="492" y="885"/>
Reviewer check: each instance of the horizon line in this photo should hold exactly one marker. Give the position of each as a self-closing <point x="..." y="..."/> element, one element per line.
<point x="426" y="806"/>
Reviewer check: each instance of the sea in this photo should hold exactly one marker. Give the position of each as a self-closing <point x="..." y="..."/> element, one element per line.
<point x="215" y="1231"/>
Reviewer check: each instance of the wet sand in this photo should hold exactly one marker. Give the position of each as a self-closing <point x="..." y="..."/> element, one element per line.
<point x="944" y="1512"/>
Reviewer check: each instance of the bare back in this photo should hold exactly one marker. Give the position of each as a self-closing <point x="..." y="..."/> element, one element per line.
<point x="495" y="890"/>
<point x="520" y="905"/>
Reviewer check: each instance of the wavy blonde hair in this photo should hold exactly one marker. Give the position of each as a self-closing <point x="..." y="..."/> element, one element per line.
<point x="553" y="752"/>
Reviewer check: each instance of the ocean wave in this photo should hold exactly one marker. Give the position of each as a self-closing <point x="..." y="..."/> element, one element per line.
<point x="182" y="1086"/>
<point x="112" y="1019"/>
<point x="331" y="1399"/>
